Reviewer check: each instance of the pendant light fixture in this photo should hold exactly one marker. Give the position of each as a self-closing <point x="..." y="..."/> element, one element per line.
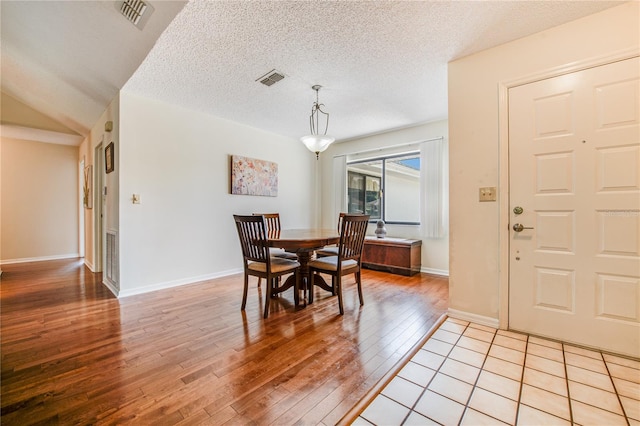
<point x="316" y="141"/>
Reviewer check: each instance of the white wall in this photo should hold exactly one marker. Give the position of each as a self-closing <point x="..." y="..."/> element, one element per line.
<point x="40" y="201"/>
<point x="435" y="252"/>
<point x="177" y="160"/>
<point x="96" y="136"/>
<point x="475" y="147"/>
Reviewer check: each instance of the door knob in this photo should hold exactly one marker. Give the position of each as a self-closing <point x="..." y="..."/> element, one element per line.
<point x="518" y="227"/>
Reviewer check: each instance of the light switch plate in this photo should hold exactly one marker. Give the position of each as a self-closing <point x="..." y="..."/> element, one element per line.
<point x="488" y="193"/>
<point x="136" y="199"/>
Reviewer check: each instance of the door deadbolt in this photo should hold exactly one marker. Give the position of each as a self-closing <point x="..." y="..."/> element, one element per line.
<point x="518" y="227"/>
<point x="518" y="210"/>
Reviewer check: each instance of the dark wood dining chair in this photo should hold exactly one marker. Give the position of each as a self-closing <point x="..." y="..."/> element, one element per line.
<point x="272" y="220"/>
<point x="331" y="250"/>
<point x="348" y="260"/>
<point x="252" y="231"/>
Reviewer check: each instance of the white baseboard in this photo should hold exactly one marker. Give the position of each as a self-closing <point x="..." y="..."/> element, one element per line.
<point x="89" y="265"/>
<point x="112" y="288"/>
<point x="474" y="318"/>
<point x="432" y="271"/>
<point x="40" y="259"/>
<point x="176" y="283"/>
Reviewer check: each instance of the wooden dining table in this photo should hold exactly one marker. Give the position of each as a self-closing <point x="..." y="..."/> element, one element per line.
<point x="304" y="242"/>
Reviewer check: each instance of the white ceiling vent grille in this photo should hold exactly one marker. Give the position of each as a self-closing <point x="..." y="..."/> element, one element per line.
<point x="271" y="78"/>
<point x="136" y="11"/>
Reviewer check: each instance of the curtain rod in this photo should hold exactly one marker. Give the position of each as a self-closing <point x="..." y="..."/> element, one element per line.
<point x="389" y="147"/>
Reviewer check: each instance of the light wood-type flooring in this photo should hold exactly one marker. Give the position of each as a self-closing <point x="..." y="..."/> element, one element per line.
<point x="72" y="353"/>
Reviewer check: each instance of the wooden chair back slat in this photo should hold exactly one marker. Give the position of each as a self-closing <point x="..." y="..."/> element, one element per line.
<point x="272" y="221"/>
<point x="352" y="233"/>
<point x="253" y="238"/>
<point x="341" y="216"/>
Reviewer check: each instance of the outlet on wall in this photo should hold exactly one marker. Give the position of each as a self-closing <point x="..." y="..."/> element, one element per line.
<point x="488" y="193"/>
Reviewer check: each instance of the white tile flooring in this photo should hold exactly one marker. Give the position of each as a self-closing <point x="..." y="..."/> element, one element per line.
<point x="470" y="374"/>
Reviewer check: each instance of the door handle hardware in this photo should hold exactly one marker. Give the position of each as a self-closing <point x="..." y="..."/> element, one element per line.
<point x="518" y="210"/>
<point x="518" y="227"/>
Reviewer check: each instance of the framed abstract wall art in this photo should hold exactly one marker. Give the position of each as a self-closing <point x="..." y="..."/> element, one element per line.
<point x="253" y="177"/>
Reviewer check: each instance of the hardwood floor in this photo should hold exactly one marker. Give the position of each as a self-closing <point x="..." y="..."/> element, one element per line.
<point x="72" y="353"/>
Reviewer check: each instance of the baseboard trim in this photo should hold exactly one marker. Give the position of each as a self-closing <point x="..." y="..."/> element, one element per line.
<point x="475" y="318"/>
<point x="176" y="283"/>
<point x="432" y="271"/>
<point x="40" y="259"/>
<point x="89" y="265"/>
<point x="112" y="288"/>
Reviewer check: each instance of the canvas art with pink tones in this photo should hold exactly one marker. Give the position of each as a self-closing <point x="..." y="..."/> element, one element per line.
<point x="253" y="177"/>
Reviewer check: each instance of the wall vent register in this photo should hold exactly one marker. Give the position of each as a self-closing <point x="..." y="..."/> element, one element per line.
<point x="136" y="11"/>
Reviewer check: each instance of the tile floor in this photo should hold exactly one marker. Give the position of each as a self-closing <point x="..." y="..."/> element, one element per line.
<point x="470" y="374"/>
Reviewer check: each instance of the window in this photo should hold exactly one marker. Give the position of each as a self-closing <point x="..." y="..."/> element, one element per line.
<point x="364" y="194"/>
<point x="386" y="188"/>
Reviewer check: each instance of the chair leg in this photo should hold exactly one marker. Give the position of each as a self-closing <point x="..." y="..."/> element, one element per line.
<point x="310" y="286"/>
<point x="260" y="281"/>
<point x="339" y="290"/>
<point x="244" y="293"/>
<point x="359" y="281"/>
<point x="296" y="289"/>
<point x="267" y="297"/>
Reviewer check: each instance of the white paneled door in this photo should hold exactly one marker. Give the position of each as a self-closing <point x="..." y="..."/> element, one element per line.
<point x="574" y="195"/>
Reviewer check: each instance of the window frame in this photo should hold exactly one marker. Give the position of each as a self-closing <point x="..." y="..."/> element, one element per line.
<point x="383" y="159"/>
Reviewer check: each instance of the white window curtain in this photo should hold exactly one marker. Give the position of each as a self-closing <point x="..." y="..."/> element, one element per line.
<point x="434" y="210"/>
<point x="339" y="185"/>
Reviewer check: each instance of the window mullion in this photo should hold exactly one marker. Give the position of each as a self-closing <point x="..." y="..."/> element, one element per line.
<point x="383" y="206"/>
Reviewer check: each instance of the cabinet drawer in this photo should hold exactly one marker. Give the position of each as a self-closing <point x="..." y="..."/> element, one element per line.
<point x="397" y="255"/>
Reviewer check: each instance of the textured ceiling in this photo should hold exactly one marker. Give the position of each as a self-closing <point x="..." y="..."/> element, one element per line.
<point x="382" y="65"/>
<point x="68" y="59"/>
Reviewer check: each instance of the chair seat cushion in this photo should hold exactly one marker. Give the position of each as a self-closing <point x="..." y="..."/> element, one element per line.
<point x="278" y="252"/>
<point x="330" y="263"/>
<point x="328" y="251"/>
<point x="277" y="265"/>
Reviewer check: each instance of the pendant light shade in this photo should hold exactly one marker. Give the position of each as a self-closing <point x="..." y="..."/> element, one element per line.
<point x="317" y="142"/>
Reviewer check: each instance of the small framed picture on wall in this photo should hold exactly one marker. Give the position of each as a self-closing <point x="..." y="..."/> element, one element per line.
<point x="87" y="187"/>
<point x="108" y="158"/>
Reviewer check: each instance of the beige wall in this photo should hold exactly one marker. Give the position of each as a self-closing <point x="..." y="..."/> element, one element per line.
<point x="177" y="160"/>
<point x="40" y="200"/>
<point x="477" y="240"/>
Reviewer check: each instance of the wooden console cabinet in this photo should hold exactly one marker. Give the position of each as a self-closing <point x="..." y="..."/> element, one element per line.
<point x="395" y="255"/>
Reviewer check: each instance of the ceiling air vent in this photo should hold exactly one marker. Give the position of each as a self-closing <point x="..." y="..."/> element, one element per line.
<point x="136" y="11"/>
<point x="271" y="78"/>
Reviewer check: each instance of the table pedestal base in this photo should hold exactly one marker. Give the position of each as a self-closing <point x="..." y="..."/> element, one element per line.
<point x="304" y="256"/>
